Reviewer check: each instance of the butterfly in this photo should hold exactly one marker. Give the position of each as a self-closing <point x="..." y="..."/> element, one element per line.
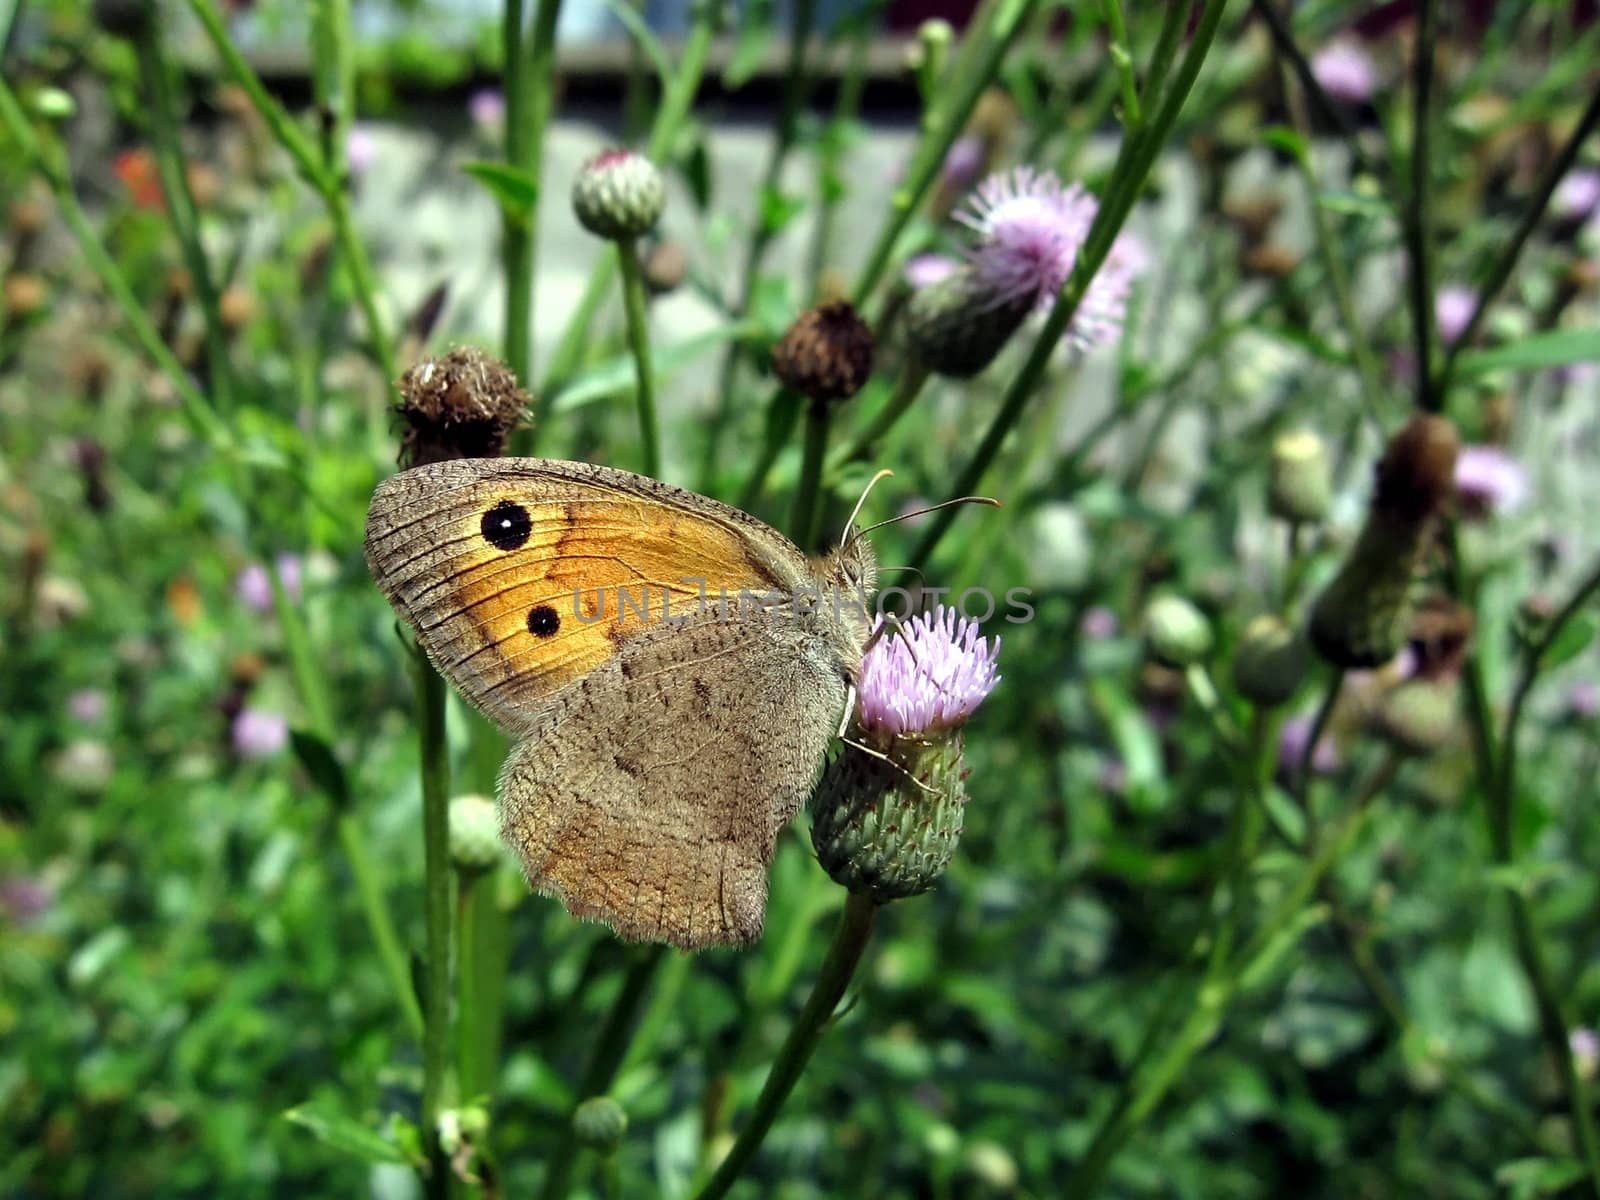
<point x="671" y="668"/>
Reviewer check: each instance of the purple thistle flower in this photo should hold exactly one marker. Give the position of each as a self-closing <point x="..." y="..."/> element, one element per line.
<point x="963" y="161"/>
<point x="87" y="705"/>
<point x="24" y="899"/>
<point x="1030" y="229"/>
<point x="1292" y="741"/>
<point x="360" y="149"/>
<point x="925" y="270"/>
<point x="1453" y="306"/>
<point x="1345" y="71"/>
<point x="929" y="675"/>
<point x="1099" y="623"/>
<point x="1489" y="481"/>
<point x="258" y="733"/>
<point x="254" y="586"/>
<point x="1577" y="195"/>
<point x="488" y="110"/>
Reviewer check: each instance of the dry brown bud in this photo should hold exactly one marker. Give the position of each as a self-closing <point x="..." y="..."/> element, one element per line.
<point x="826" y="354"/>
<point x="1417" y="472"/>
<point x="665" y="268"/>
<point x="25" y="295"/>
<point x="235" y="307"/>
<point x="463" y="405"/>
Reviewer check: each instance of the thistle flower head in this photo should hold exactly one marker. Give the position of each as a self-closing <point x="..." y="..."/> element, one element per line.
<point x="1488" y="481"/>
<point x="1577" y="195"/>
<point x="929" y="675"/>
<point x="1345" y="71"/>
<point x="1031" y="229"/>
<point x="1452" y="309"/>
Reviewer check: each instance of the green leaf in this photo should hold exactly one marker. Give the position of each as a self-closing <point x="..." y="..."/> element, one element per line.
<point x="639" y="30"/>
<point x="516" y="191"/>
<point x="317" y="757"/>
<point x="344" y="1134"/>
<point x="1281" y="137"/>
<point x="1572" y="641"/>
<point x="756" y="32"/>
<point x="1354" y="204"/>
<point x="614" y="378"/>
<point x="1557" y="348"/>
<point x="1528" y="1178"/>
<point x="778" y="209"/>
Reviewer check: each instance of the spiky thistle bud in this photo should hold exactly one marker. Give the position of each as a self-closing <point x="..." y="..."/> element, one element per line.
<point x="474" y="833"/>
<point x="618" y="194"/>
<point x="826" y="354"/>
<point x="600" y="1124"/>
<point x="887" y="814"/>
<point x="1360" y="619"/>
<point x="1270" y="661"/>
<point x="1300" y="484"/>
<point x="463" y="405"/>
<point x="956" y="326"/>
<point x="1176" y="632"/>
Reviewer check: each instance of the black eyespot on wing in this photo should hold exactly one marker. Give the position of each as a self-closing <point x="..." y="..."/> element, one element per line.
<point x="507" y="526"/>
<point x="543" y="621"/>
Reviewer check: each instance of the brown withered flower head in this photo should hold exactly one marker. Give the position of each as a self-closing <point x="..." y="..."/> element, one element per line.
<point x="463" y="405"/>
<point x="826" y="354"/>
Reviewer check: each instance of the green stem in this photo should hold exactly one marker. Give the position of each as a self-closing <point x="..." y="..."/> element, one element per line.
<point x="1122" y="59"/>
<point x="610" y="1048"/>
<point x="633" y="303"/>
<point x="808" y="495"/>
<point x="156" y="74"/>
<point x="196" y="408"/>
<point x="675" y="105"/>
<point x="1503" y="266"/>
<point x="1209" y="1006"/>
<point x="1121" y="195"/>
<point x="844" y="953"/>
<point x="1301" y="783"/>
<point x="829" y="188"/>
<point x="480" y="961"/>
<point x="375" y="907"/>
<point x="529" y="100"/>
<point x="989" y="38"/>
<point x="794" y="94"/>
<point x="782" y="413"/>
<point x="434" y="750"/>
<point x="1418" y="214"/>
<point x="906" y="390"/>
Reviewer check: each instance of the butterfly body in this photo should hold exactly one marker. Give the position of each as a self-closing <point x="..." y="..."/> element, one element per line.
<point x="671" y="667"/>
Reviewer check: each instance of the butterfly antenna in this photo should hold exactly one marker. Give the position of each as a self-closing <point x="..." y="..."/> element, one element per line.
<point x="918" y="512"/>
<point x="856" y="511"/>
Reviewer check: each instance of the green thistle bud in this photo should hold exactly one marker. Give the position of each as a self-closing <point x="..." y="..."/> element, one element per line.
<point x="1176" y="632"/>
<point x="957" y="326"/>
<point x="1300" y="488"/>
<point x="618" y="194"/>
<point x="1360" y="619"/>
<point x="600" y="1124"/>
<point x="1419" y="715"/>
<point x="474" y="833"/>
<point x="1270" y="661"/>
<point x="826" y="354"/>
<point x="888" y="826"/>
<point x="887" y="813"/>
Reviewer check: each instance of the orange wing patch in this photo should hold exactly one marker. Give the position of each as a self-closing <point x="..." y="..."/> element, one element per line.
<point x="518" y="586"/>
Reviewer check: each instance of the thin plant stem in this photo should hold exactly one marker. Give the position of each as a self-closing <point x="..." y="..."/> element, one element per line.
<point x="1418" y="213"/>
<point x="634" y="308"/>
<point x="994" y="28"/>
<point x="480" y="951"/>
<point x="530" y="97"/>
<point x="831" y="149"/>
<point x="610" y="1048"/>
<point x="838" y="967"/>
<point x="906" y="390"/>
<point x="1500" y="273"/>
<point x="675" y="106"/>
<point x="808" y="495"/>
<point x="1122" y="59"/>
<point x="196" y="408"/>
<point x="185" y="217"/>
<point x="1145" y="1090"/>
<point x="1306" y="763"/>
<point x="782" y="414"/>
<point x="434" y="750"/>
<point x="794" y="93"/>
<point x="1121" y="195"/>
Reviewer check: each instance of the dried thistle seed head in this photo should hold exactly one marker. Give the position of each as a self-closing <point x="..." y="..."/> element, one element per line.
<point x="826" y="354"/>
<point x="463" y="405"/>
<point x="1300" y="486"/>
<point x="1417" y="472"/>
<point x="618" y="194"/>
